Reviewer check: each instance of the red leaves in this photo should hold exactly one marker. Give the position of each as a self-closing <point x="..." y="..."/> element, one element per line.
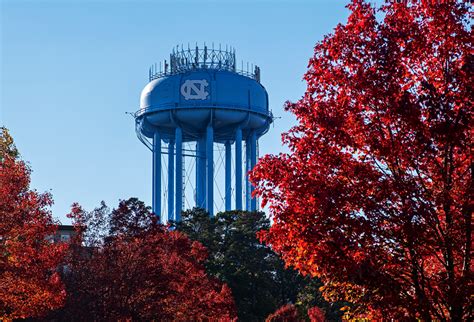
<point x="286" y="313"/>
<point x="140" y="270"/>
<point x="376" y="193"/>
<point x="121" y="265"/>
<point x="316" y="314"/>
<point x="289" y="313"/>
<point x="29" y="286"/>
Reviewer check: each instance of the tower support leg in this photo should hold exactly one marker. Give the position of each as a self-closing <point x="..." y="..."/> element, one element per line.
<point x="238" y="169"/>
<point x="156" y="201"/>
<point x="228" y="176"/>
<point x="253" y="161"/>
<point x="201" y="173"/>
<point x="179" y="174"/>
<point x="248" y="146"/>
<point x="170" y="180"/>
<point x="210" y="170"/>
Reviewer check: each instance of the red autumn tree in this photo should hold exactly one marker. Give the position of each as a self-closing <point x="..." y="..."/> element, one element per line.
<point x="286" y="313"/>
<point x="290" y="313"/>
<point x="127" y="266"/>
<point x="29" y="284"/>
<point x="376" y="194"/>
<point x="316" y="314"/>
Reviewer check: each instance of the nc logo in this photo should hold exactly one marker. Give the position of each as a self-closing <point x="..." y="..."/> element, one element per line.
<point x="194" y="89"/>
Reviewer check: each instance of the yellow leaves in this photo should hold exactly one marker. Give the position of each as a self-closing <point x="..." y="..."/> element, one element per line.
<point x="12" y="259"/>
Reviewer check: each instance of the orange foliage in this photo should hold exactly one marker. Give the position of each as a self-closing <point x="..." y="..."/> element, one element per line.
<point x="29" y="283"/>
<point x="375" y="196"/>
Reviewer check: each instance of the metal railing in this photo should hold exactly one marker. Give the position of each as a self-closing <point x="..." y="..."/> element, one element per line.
<point x="184" y="60"/>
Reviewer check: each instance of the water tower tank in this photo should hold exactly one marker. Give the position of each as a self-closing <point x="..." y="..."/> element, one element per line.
<point x="200" y="98"/>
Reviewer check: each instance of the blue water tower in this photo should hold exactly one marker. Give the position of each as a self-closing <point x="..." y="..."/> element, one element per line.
<point x="200" y="98"/>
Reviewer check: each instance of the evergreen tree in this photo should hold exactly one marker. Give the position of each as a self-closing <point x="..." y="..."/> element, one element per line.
<point x="258" y="279"/>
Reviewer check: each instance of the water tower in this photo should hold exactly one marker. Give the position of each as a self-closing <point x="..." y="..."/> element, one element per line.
<point x="195" y="106"/>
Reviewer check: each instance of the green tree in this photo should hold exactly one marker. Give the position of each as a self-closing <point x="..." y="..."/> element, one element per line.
<point x="310" y="296"/>
<point x="256" y="275"/>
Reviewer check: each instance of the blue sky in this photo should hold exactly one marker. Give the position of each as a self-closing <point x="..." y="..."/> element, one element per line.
<point x="71" y="69"/>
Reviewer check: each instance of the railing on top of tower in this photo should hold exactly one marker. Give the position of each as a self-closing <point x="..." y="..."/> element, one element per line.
<point x="183" y="60"/>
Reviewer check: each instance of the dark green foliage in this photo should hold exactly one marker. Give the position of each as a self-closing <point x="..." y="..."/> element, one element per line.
<point x="259" y="282"/>
<point x="310" y="296"/>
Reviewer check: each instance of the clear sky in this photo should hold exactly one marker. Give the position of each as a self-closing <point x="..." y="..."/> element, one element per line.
<point x="71" y="69"/>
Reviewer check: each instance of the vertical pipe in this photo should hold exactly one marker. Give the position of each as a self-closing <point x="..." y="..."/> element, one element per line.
<point x="198" y="166"/>
<point x="210" y="170"/>
<point x="201" y="173"/>
<point x="156" y="203"/>
<point x="238" y="169"/>
<point x="196" y="177"/>
<point x="179" y="174"/>
<point x="247" y="169"/>
<point x="228" y="176"/>
<point x="170" y="179"/>
<point x="253" y="161"/>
